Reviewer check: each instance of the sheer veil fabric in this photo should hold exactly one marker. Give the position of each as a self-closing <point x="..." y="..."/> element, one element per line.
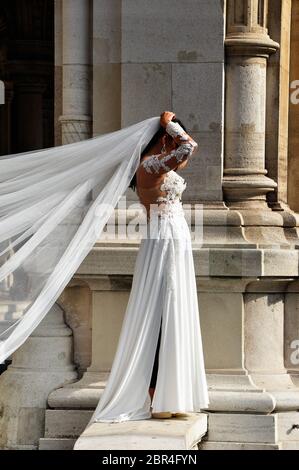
<point x="49" y="223"/>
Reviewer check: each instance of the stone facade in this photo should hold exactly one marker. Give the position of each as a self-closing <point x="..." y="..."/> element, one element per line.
<point x="226" y="68"/>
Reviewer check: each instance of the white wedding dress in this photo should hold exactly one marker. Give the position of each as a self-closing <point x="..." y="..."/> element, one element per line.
<point x="48" y="225"/>
<point x="163" y="290"/>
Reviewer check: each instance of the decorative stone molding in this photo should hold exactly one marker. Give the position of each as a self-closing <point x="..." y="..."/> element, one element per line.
<point x="75" y="301"/>
<point x="247" y="16"/>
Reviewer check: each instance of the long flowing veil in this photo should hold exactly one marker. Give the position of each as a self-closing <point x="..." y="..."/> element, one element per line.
<point x="49" y="222"/>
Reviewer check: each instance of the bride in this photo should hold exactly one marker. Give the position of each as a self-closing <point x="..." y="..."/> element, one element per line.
<point x="163" y="298"/>
<point x="48" y="224"/>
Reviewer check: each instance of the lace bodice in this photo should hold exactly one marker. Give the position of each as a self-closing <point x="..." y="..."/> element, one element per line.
<point x="174" y="186"/>
<point x="169" y="196"/>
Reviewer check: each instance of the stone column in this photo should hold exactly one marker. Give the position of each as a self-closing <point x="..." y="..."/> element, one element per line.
<point x="76" y="107"/>
<point x="248" y="47"/>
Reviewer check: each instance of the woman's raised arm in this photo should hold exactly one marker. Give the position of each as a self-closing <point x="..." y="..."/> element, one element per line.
<point x="162" y="163"/>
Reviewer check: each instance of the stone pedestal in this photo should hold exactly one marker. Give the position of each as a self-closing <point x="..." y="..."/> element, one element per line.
<point x="233" y="431"/>
<point x="291" y="332"/>
<point x="76" y="302"/>
<point x="43" y="363"/>
<point x="183" y="433"/>
<point x="243" y="332"/>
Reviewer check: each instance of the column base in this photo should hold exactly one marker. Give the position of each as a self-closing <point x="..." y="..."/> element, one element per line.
<point x="83" y="395"/>
<point x="41" y="364"/>
<point x="254" y="393"/>
<point x="75" y="128"/>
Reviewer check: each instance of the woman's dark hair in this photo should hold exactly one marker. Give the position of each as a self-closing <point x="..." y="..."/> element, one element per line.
<point x="157" y="136"/>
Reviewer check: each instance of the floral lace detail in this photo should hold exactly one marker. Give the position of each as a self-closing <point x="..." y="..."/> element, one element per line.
<point x="173" y="185"/>
<point x="175" y="130"/>
<point x="170" y="204"/>
<point x="156" y="163"/>
<point x="163" y="163"/>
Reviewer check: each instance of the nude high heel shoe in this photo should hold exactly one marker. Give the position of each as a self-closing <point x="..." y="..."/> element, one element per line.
<point x="162" y="415"/>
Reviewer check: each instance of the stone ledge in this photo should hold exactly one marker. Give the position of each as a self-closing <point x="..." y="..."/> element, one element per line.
<point x="56" y="444"/>
<point x="243" y="428"/>
<point x="175" y="433"/>
<point x="276" y="429"/>
<point x="214" y="445"/>
<point x="218" y="262"/>
<point x="62" y="424"/>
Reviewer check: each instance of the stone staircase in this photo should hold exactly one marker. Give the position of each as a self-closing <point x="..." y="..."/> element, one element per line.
<point x="65" y="429"/>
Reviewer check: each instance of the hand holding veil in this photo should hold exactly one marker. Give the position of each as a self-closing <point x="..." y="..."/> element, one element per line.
<point x="48" y="222"/>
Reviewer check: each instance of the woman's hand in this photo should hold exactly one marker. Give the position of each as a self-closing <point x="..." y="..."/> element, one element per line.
<point x="166" y="117"/>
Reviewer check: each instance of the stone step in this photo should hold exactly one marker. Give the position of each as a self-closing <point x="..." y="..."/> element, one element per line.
<point x="242" y="428"/>
<point x="56" y="444"/>
<point x="182" y="433"/>
<point x="213" y="445"/>
<point x="66" y="423"/>
<point x="290" y="445"/>
<point x="275" y="428"/>
<point x="288" y="426"/>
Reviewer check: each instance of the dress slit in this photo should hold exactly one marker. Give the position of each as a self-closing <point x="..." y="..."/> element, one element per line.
<point x="156" y="361"/>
